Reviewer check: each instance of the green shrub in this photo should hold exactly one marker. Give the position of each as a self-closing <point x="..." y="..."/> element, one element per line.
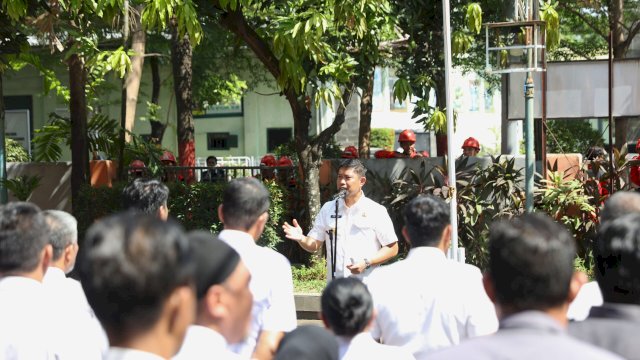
<point x="15" y="152"/>
<point x="382" y="138"/>
<point x="310" y="279"/>
<point x="571" y="136"/>
<point x="22" y="186"/>
<point x="195" y="206"/>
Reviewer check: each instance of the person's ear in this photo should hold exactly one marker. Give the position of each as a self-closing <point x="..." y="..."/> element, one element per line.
<point x="405" y="234"/>
<point x="220" y="214"/>
<point x="324" y="321"/>
<point x="215" y="307"/>
<point x="69" y="253"/>
<point x="445" y="238"/>
<point x="45" y="257"/>
<point x="363" y="180"/>
<point x="487" y="282"/>
<point x="180" y="309"/>
<point x="578" y="279"/>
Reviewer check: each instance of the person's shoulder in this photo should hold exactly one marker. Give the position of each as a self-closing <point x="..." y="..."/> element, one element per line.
<point x="273" y="258"/>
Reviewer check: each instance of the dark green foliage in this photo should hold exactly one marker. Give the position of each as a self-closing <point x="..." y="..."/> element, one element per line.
<point x="22" y="186"/>
<point x="571" y="136"/>
<point x="195" y="206"/>
<point x="310" y="279"/>
<point x="382" y="138"/>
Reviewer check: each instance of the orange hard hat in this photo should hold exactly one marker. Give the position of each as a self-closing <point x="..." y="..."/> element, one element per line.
<point x="137" y="164"/>
<point x="350" y="152"/>
<point x="472" y="143"/>
<point x="407" y="135"/>
<point x="168" y="156"/>
<point x="268" y="160"/>
<point x="285" y="161"/>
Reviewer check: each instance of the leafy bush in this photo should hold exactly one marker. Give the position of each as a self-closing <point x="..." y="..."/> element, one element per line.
<point x="22" y="186"/>
<point x="571" y="136"/>
<point x="14" y="151"/>
<point x="310" y="279"/>
<point x="195" y="206"/>
<point x="382" y="138"/>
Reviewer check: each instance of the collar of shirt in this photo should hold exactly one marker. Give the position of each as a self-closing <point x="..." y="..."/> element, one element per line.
<point x="206" y="336"/>
<point x="240" y="241"/>
<point x="533" y="320"/>
<point x="426" y="252"/>
<point x="629" y="312"/>
<point x="118" y="353"/>
<point x="355" y="206"/>
<point x="19" y="282"/>
<point x="54" y="274"/>
<point x="201" y="341"/>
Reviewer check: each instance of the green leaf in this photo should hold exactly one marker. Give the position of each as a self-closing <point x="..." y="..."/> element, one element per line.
<point x="474" y="17"/>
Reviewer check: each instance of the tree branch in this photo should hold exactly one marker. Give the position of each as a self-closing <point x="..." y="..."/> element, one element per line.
<point x="338" y="120"/>
<point x="584" y="19"/>
<point x="635" y="29"/>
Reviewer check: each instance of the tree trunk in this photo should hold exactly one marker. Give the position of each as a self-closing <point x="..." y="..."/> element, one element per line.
<point x="366" y="107"/>
<point x="181" y="54"/>
<point x="3" y="153"/>
<point x="134" y="76"/>
<point x="157" y="127"/>
<point x="78" y="116"/>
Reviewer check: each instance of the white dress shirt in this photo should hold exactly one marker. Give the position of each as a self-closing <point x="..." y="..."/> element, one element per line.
<point x="588" y="297"/>
<point x="25" y="325"/>
<point x="363" y="229"/>
<point x="81" y="336"/>
<point x="362" y="346"/>
<point x="203" y="343"/>
<point x="118" y="353"/>
<point x="427" y="302"/>
<point x="271" y="285"/>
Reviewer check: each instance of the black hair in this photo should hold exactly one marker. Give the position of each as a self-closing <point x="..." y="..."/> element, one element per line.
<point x="425" y="218"/>
<point x="130" y="264"/>
<point x="347" y="306"/>
<point x="211" y="157"/>
<point x="619" y="204"/>
<point x="530" y="262"/>
<point x="595" y="152"/>
<point x="617" y="254"/>
<point x="23" y="235"/>
<point x="244" y="200"/>
<point x="146" y="196"/>
<point x="354" y="164"/>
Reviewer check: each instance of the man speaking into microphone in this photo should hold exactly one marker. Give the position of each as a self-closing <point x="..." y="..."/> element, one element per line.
<point x="358" y="232"/>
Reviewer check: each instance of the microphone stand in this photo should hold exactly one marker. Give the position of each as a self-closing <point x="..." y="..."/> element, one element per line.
<point x="334" y="243"/>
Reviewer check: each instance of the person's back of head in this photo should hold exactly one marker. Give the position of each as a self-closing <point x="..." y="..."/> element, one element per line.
<point x="309" y="342"/>
<point x="63" y="237"/>
<point x="244" y="202"/>
<point x="24" y="248"/>
<point x="138" y="273"/>
<point x="146" y="196"/>
<point x="619" y="204"/>
<point x="222" y="287"/>
<point x="347" y="307"/>
<point x="617" y="254"/>
<point x="425" y="219"/>
<point x="530" y="263"/>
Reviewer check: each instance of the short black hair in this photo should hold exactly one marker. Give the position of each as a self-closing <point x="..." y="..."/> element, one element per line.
<point x="211" y="157"/>
<point x="243" y="201"/>
<point x="617" y="254"/>
<point x="130" y="264"/>
<point x="347" y="306"/>
<point x="354" y="164"/>
<point x="619" y="204"/>
<point x="146" y="196"/>
<point x="425" y="218"/>
<point x="23" y="235"/>
<point x="595" y="152"/>
<point x="530" y="262"/>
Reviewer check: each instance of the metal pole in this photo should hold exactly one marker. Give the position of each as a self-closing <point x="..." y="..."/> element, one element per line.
<point x="528" y="142"/>
<point x="451" y="167"/>
<point x="3" y="164"/>
<point x="611" y="171"/>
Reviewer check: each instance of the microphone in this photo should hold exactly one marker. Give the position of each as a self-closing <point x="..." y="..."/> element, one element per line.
<point x="340" y="195"/>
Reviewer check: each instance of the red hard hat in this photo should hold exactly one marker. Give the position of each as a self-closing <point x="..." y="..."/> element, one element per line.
<point x="425" y="153"/>
<point x="407" y="135"/>
<point x="268" y="160"/>
<point x="285" y="161"/>
<point x="383" y="154"/>
<point x="350" y="152"/>
<point x="471" y="142"/>
<point x="137" y="164"/>
<point x="638" y="146"/>
<point x="168" y="156"/>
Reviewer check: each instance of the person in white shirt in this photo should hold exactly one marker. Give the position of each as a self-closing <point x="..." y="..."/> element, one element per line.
<point x="138" y="274"/>
<point x="224" y="301"/>
<point x="347" y="310"/>
<point x="366" y="237"/>
<point x="66" y="296"/>
<point x="427" y="302"/>
<point x="24" y="258"/>
<point x="244" y="213"/>
<point x="148" y="196"/>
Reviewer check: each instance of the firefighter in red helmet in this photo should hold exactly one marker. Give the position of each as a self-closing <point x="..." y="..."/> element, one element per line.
<point x="407" y="140"/>
<point x="169" y="162"/>
<point x="634" y="172"/>
<point x="137" y="168"/>
<point x="350" y="152"/>
<point x="470" y="147"/>
<point x="286" y="175"/>
<point x="267" y="163"/>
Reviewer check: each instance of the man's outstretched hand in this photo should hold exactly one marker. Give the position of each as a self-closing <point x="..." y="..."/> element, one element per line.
<point x="293" y="232"/>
